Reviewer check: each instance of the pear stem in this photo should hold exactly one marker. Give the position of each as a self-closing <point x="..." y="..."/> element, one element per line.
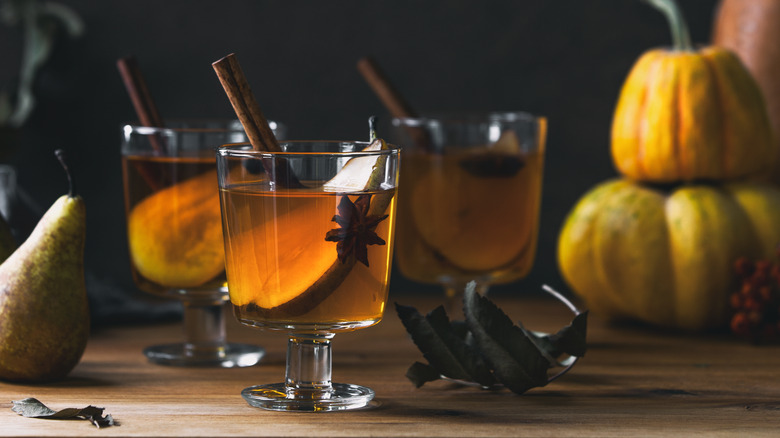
<point x="71" y="183"/>
<point x="372" y="128"/>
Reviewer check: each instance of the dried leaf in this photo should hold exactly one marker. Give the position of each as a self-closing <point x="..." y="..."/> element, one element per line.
<point x="516" y="361"/>
<point x="32" y="408"/>
<point x="444" y="349"/>
<point x="568" y="340"/>
<point x="420" y="373"/>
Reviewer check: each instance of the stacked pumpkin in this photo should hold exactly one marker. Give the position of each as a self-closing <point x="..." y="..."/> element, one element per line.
<point x="691" y="138"/>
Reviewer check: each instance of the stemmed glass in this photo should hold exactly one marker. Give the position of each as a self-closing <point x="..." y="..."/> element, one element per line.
<point x="174" y="233"/>
<point x="469" y="204"/>
<point x="308" y="242"/>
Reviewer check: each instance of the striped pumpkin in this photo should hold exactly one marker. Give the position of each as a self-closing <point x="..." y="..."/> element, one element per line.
<point x="686" y="114"/>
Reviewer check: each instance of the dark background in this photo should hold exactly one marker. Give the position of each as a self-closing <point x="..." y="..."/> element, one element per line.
<point x="563" y="59"/>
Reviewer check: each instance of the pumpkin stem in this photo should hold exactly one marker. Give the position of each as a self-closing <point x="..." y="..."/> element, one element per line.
<point x="681" y="38"/>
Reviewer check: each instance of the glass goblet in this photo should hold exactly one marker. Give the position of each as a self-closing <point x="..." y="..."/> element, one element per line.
<point x="174" y="233"/>
<point x="469" y="204"/>
<point x="308" y="243"/>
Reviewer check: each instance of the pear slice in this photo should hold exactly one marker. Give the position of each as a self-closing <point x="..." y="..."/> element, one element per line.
<point x="451" y="205"/>
<point x="175" y="235"/>
<point x="359" y="173"/>
<point x="507" y="143"/>
<point x="449" y="214"/>
<point x="501" y="159"/>
<point x="356" y="174"/>
<point x="287" y="265"/>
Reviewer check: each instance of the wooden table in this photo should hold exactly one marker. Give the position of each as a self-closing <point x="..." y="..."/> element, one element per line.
<point x="632" y="382"/>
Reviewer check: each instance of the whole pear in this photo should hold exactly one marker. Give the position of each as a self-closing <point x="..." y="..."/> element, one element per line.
<point x="44" y="313"/>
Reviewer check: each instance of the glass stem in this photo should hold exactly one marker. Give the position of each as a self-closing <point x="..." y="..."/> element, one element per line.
<point x="308" y="365"/>
<point x="204" y="327"/>
<point x="454" y="298"/>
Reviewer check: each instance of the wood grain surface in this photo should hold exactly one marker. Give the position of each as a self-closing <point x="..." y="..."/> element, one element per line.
<point x="633" y="381"/>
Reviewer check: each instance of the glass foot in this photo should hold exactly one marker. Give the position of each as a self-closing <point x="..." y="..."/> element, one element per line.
<point x="232" y="355"/>
<point x="277" y="397"/>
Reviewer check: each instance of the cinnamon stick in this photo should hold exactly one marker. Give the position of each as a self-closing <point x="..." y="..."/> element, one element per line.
<point x="139" y="92"/>
<point x="391" y="98"/>
<point x="387" y="93"/>
<point x="257" y="129"/>
<point x="145" y="110"/>
<point x="260" y="134"/>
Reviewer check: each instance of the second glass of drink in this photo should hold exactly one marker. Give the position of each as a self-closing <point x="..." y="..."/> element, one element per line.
<point x="174" y="233"/>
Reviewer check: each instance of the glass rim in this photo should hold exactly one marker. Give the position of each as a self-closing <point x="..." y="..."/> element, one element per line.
<point x="245" y="150"/>
<point x="230" y="125"/>
<point x="454" y="117"/>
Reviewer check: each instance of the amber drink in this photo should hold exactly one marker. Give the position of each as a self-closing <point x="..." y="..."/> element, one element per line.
<point x="469" y="205"/>
<point x="174" y="226"/>
<point x="308" y="242"/>
<point x="277" y="249"/>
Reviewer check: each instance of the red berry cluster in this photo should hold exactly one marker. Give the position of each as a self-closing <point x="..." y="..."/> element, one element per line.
<point x="757" y="303"/>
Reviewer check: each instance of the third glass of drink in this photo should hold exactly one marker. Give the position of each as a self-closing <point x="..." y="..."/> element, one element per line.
<point x="308" y="242"/>
<point x="469" y="204"/>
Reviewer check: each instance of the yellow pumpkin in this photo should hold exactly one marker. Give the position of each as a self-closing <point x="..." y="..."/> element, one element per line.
<point x="666" y="257"/>
<point x="686" y="114"/>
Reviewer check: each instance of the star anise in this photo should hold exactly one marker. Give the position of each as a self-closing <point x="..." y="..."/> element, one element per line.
<point x="357" y="229"/>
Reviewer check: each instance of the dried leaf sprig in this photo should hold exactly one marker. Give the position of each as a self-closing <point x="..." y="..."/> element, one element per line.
<point x="488" y="348"/>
